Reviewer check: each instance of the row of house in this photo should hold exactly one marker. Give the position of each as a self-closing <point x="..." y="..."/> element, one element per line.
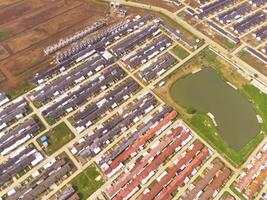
<point x="97" y="43"/>
<point x="256" y="54"/>
<point x="131" y="137"/>
<point x="17" y="136"/>
<point x="14" y="111"/>
<point x="249" y="22"/>
<point x="127" y="44"/>
<point x="156" y="129"/>
<point x="234" y="13"/>
<point x="257" y="3"/>
<point x="254" y="175"/>
<point x="56" y="87"/>
<point x="158" y="67"/>
<point x="145" y="167"/>
<point x="103" y="39"/>
<point x="176" y="34"/>
<point x="261" y="33"/>
<point x="17" y="162"/>
<point x="104" y="134"/>
<point x="112" y="99"/>
<point x="178" y="174"/>
<point x="76" y="36"/>
<point x="148" y="52"/>
<point x="208" y="186"/>
<point x="223" y="32"/>
<point x="214" y="7"/>
<point x="42" y="180"/>
<point x="77" y="97"/>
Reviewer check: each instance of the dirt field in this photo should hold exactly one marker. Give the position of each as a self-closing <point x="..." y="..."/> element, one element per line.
<point x="33" y="26"/>
<point x="160" y="3"/>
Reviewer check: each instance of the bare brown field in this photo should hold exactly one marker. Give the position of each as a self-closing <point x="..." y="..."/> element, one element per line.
<point x="47" y="29"/>
<point x="160" y="3"/>
<point x="20" y="8"/>
<point x="5" y="3"/>
<point x="35" y="18"/>
<point x="3" y="52"/>
<point x="34" y="28"/>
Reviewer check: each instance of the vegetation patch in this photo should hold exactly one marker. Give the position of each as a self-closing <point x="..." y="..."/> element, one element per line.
<point x="259" y="99"/>
<point x="180" y="52"/>
<point x="228" y="44"/>
<point x="87" y="182"/>
<point x="3" y="35"/>
<point x="57" y="138"/>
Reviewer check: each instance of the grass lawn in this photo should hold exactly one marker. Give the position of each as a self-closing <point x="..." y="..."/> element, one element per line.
<point x="260" y="101"/>
<point x="57" y="137"/>
<point x="50" y="120"/>
<point x="180" y="52"/>
<point x="3" y="35"/>
<point x="229" y="44"/>
<point x="87" y="182"/>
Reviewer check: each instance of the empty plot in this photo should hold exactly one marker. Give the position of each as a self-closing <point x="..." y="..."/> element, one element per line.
<point x="47" y="29"/>
<point x="180" y="52"/>
<point x="87" y="182"/>
<point x="21" y="8"/>
<point x="37" y="17"/>
<point x="57" y="137"/>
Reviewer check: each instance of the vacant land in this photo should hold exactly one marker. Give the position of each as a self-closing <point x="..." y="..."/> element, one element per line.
<point x="3" y="35"/>
<point x="57" y="137"/>
<point x="254" y="62"/>
<point x="27" y="27"/>
<point x="87" y="182"/>
<point x="200" y="122"/>
<point x="223" y="41"/>
<point x="180" y="52"/>
<point x="160" y="3"/>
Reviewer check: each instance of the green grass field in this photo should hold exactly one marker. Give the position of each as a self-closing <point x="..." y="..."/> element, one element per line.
<point x="58" y="137"/>
<point x="87" y="183"/>
<point x="180" y="52"/>
<point x="260" y="101"/>
<point x="228" y="44"/>
<point x="3" y="35"/>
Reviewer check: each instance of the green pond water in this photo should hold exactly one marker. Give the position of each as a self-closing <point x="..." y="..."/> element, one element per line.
<point x="206" y="92"/>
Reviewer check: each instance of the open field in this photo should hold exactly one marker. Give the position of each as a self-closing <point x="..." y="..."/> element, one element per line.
<point x="163" y="4"/>
<point x="201" y="122"/>
<point x="223" y="41"/>
<point x="38" y="24"/>
<point x="57" y="137"/>
<point x="252" y="61"/>
<point x="180" y="52"/>
<point x="87" y="182"/>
